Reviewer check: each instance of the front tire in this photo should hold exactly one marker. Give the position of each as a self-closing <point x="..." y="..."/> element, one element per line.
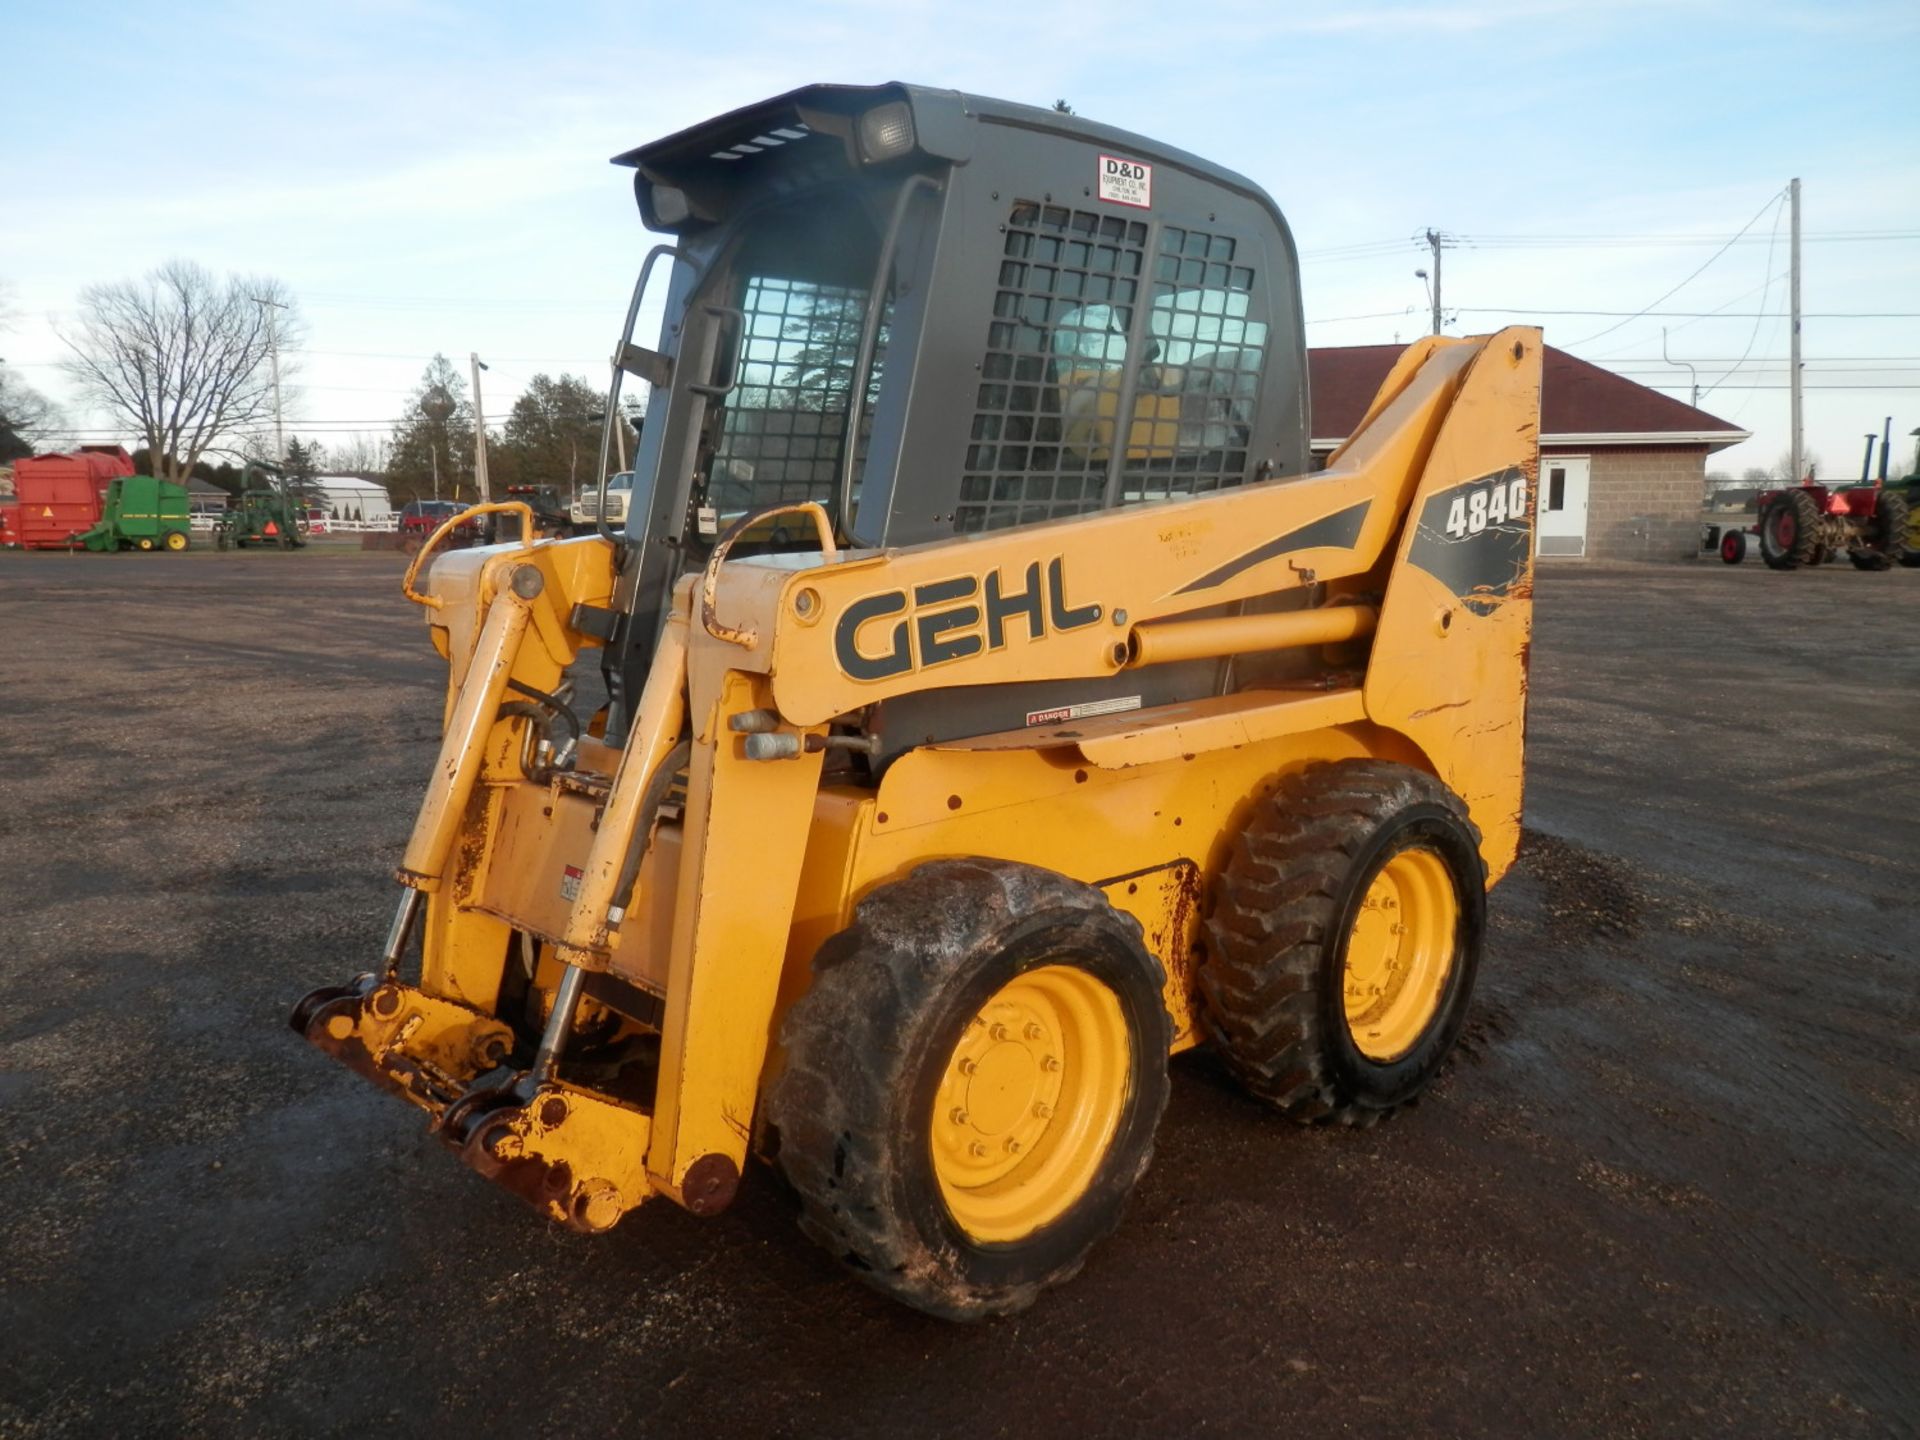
<point x="1733" y="546"/>
<point x="972" y="1084"/>
<point x="1345" y="935"/>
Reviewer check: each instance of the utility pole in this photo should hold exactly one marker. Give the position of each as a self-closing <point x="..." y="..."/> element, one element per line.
<point x="1797" y="446"/>
<point x="1434" y="241"/>
<point x="479" y="433"/>
<point x="273" y="356"/>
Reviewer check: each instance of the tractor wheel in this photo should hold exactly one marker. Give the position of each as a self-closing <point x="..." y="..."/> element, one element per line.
<point x="176" y="541"/>
<point x="145" y="542"/>
<point x="1345" y="934"/>
<point x="1733" y="546"/>
<point x="1886" y="534"/>
<point x="1790" y="531"/>
<point x="972" y="1084"/>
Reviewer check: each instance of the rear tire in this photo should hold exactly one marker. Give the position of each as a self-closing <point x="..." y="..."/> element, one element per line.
<point x="1886" y="535"/>
<point x="176" y="541"/>
<point x="1733" y="546"/>
<point x="1345" y="935"/>
<point x="1790" y="531"/>
<point x="972" y="1084"/>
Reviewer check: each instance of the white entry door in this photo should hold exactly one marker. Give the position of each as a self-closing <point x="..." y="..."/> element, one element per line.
<point x="1561" y="526"/>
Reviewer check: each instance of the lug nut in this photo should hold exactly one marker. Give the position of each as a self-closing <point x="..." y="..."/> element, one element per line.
<point x="977" y="1150"/>
<point x="1050" y="1063"/>
<point x="957" y="1115"/>
<point x="1013" y="1146"/>
<point x="1042" y="1111"/>
<point x="1034" y="1032"/>
<point x="999" y="1032"/>
<point x="966" y="1066"/>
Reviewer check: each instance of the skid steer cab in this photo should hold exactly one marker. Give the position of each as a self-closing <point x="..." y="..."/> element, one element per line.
<point x="997" y="704"/>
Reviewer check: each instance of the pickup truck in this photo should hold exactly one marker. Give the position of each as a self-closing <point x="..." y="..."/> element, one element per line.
<point x="585" y="507"/>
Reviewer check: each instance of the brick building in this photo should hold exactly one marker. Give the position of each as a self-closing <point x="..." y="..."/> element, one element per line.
<point x="1622" y="468"/>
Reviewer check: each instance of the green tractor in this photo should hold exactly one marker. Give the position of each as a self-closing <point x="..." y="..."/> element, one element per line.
<point x="263" y="513"/>
<point x="141" y="513"/>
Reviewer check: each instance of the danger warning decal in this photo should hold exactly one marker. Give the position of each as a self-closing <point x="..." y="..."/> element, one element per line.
<point x="1062" y="713"/>
<point x="1126" y="182"/>
<point x="1477" y="538"/>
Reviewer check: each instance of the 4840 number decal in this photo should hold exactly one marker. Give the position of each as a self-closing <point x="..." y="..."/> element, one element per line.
<point x="1477" y="538"/>
<point x="1487" y="502"/>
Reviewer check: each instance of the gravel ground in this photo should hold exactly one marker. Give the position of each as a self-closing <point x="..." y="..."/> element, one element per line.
<point x="1667" y="1187"/>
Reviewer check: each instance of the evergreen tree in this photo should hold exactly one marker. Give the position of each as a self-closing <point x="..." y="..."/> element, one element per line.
<point x="303" y="465"/>
<point x="435" y="431"/>
<point x="552" y="434"/>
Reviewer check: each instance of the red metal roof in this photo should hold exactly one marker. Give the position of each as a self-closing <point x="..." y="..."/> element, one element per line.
<point x="1576" y="397"/>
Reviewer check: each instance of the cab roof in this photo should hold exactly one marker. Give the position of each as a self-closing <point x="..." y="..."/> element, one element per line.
<point x="946" y="122"/>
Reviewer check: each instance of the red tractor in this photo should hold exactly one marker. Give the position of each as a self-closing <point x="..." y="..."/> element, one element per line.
<point x="1805" y="524"/>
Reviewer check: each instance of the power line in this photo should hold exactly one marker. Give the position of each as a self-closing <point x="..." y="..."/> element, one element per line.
<point x="1687" y="314"/>
<point x="1582" y="240"/>
<point x="1760" y="289"/>
<point x="1375" y="315"/>
<point x="1765" y="359"/>
<point x="1658" y="241"/>
<point x="1766" y="287"/>
<point x="1775" y="199"/>
<point x="1913" y="389"/>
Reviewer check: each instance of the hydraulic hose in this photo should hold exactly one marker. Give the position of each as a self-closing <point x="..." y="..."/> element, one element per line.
<point x="664" y="774"/>
<point x="559" y="708"/>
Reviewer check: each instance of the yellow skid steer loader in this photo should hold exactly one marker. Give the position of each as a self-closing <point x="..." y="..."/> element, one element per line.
<point x="968" y="749"/>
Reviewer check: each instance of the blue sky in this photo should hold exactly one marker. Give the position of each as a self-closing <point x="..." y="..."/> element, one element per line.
<point x="433" y="177"/>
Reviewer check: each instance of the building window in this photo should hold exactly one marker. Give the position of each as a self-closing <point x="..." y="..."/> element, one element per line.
<point x="1556" y="489"/>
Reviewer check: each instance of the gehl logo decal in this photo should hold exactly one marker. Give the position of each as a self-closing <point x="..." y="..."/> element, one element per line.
<point x="953" y="620"/>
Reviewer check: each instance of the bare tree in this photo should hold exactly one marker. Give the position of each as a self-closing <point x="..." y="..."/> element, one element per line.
<point x="355" y="454"/>
<point x="181" y="357"/>
<point x="1809" y="463"/>
<point x="28" y="419"/>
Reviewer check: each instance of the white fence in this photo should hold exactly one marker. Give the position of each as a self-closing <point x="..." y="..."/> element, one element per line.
<point x="204" y="523"/>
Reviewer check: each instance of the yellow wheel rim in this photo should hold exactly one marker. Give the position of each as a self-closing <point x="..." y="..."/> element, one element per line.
<point x="1029" y="1101"/>
<point x="1400" y="953"/>
<point x="176" y="541"/>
